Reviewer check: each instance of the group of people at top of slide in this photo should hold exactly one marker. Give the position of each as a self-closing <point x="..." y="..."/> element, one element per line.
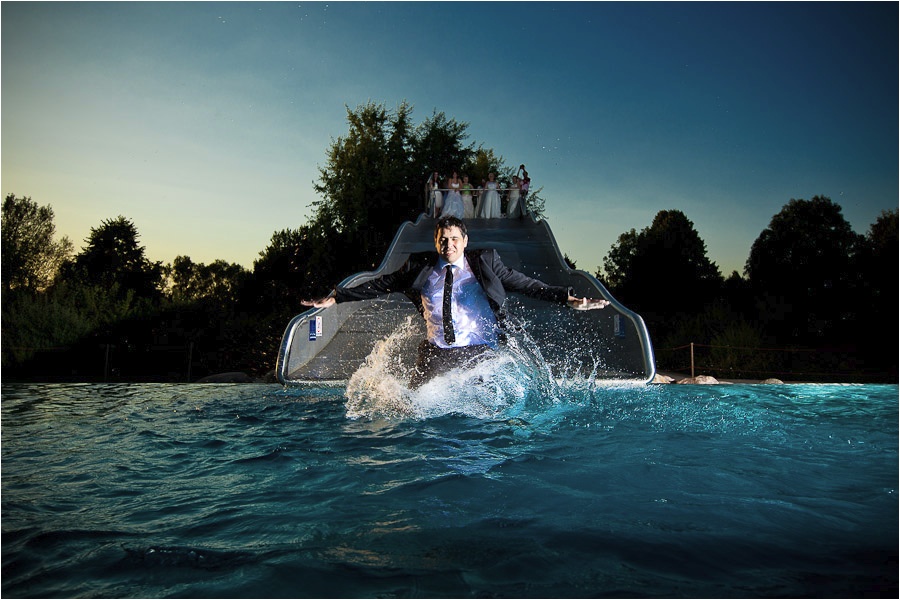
<point x="458" y="198"/>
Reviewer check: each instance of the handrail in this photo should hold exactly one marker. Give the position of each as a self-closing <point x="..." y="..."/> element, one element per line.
<point x="476" y="192"/>
<point x="474" y="189"/>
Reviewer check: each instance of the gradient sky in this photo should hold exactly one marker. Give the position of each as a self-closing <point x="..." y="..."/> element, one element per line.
<point x="206" y="123"/>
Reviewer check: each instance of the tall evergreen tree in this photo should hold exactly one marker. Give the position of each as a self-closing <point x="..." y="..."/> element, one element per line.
<point x="438" y="145"/>
<point x="113" y="258"/>
<point x="364" y="170"/>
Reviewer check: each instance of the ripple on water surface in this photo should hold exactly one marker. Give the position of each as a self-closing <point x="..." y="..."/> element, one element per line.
<point x="542" y="488"/>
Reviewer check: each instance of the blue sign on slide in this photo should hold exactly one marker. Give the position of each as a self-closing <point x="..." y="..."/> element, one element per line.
<point x="315" y="328"/>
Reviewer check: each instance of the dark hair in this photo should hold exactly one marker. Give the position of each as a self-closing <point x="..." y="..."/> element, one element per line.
<point x="449" y="221"/>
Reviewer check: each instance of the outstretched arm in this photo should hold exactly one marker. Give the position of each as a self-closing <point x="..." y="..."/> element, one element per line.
<point x="397" y="281"/>
<point x="370" y="289"/>
<point x="519" y="282"/>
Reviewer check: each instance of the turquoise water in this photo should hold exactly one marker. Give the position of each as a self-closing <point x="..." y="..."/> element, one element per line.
<point x="515" y="490"/>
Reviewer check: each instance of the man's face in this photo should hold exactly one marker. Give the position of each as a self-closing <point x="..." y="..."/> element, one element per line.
<point x="450" y="243"/>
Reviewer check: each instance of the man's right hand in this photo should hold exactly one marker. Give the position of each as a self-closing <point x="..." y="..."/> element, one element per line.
<point x="586" y="303"/>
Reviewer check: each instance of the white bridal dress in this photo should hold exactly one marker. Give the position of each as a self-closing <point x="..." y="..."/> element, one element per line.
<point x="513" y="209"/>
<point x="453" y="203"/>
<point x="489" y="207"/>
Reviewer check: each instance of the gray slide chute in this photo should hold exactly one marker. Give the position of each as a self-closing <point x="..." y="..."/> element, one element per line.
<point x="330" y="344"/>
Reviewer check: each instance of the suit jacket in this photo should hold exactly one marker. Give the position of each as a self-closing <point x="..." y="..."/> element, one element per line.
<point x="495" y="277"/>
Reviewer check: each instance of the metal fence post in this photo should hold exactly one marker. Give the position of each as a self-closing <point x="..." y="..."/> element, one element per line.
<point x="190" y="360"/>
<point x="692" y="360"/>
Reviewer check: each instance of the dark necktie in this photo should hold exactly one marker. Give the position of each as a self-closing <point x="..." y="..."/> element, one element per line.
<point x="449" y="336"/>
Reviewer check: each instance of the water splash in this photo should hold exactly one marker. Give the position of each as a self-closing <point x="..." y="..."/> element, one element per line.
<point x="516" y="380"/>
<point x="518" y="383"/>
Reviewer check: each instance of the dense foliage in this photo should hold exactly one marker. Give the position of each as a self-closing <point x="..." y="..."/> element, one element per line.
<point x="114" y="258"/>
<point x="811" y="283"/>
<point x="669" y="249"/>
<point x="804" y="270"/>
<point x="30" y="255"/>
<point x="108" y="313"/>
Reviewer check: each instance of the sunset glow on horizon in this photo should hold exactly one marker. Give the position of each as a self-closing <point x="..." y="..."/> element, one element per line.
<point x="206" y="123"/>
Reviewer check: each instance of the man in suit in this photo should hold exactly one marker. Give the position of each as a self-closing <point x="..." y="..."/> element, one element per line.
<point x="461" y="295"/>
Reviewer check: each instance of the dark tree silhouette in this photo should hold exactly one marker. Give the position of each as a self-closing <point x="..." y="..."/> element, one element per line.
<point x="663" y="272"/>
<point x="30" y="255"/>
<point x="803" y="269"/>
<point x="113" y="258"/>
<point x="438" y="146"/>
<point x="218" y="281"/>
<point x="878" y="324"/>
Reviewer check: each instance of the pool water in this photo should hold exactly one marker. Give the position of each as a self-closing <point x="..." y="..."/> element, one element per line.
<point x="487" y="488"/>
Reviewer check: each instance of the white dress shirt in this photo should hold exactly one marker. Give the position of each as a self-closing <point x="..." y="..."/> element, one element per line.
<point x="473" y="320"/>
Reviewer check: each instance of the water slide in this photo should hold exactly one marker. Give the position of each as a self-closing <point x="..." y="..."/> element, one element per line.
<point x="330" y="344"/>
